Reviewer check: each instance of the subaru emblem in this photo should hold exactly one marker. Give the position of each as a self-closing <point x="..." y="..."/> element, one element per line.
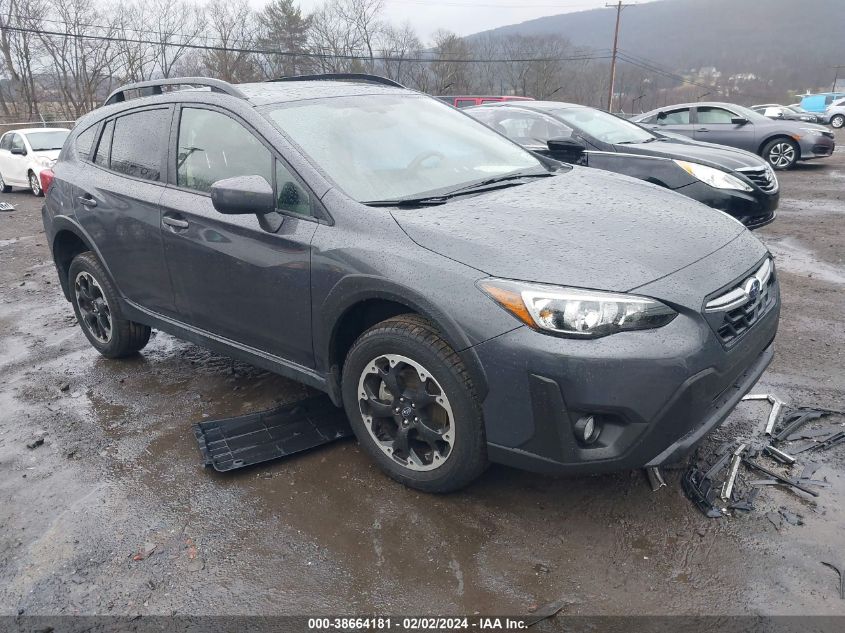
<point x="752" y="288"/>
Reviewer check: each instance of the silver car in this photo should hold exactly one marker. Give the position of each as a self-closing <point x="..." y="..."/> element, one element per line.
<point x="835" y="114"/>
<point x="781" y="143"/>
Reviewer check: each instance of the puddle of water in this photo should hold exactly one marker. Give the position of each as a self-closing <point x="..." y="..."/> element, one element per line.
<point x="795" y="258"/>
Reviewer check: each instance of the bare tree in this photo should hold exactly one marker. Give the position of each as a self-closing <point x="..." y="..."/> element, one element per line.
<point x="175" y="25"/>
<point x="449" y="74"/>
<point x="400" y="47"/>
<point x="232" y="28"/>
<point x="19" y="49"/>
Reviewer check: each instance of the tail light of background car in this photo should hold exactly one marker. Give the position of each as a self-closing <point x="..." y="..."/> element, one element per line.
<point x="47" y="176"/>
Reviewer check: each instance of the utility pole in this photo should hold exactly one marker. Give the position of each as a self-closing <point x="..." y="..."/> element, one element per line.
<point x="836" y="77"/>
<point x="619" y="6"/>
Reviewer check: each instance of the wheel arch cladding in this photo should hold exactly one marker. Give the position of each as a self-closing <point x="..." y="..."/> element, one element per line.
<point x="364" y="309"/>
<point x="67" y="244"/>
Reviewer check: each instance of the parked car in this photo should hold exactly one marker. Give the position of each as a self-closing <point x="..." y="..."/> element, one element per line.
<point x="787" y="113"/>
<point x="25" y="153"/>
<point x="466" y="101"/>
<point x="819" y="102"/>
<point x="724" y="178"/>
<point x="781" y="143"/>
<point x="464" y="299"/>
<point x="835" y="114"/>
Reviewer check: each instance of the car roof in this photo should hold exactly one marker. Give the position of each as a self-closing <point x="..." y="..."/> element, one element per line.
<point x="265" y="93"/>
<point x="29" y="130"/>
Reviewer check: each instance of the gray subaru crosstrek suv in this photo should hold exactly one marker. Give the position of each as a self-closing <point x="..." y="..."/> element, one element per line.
<point x="463" y="299"/>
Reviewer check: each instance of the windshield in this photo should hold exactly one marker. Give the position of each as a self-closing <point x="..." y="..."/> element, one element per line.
<point x="389" y="147"/>
<point x="43" y="141"/>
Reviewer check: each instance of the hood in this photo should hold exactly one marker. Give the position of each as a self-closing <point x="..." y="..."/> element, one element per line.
<point x="697" y="152"/>
<point x="798" y="126"/>
<point x="584" y="228"/>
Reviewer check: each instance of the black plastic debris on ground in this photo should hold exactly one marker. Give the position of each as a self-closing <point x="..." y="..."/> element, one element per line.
<point x="711" y="481"/>
<point x="250" y="439"/>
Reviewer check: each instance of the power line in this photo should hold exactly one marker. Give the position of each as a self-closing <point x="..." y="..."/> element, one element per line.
<point x="633" y="60"/>
<point x="311" y="55"/>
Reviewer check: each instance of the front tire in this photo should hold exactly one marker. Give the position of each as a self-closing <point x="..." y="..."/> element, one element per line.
<point x="35" y="184"/>
<point x="3" y="186"/>
<point x="781" y="153"/>
<point x="413" y="406"/>
<point x="95" y="302"/>
<point x="837" y="121"/>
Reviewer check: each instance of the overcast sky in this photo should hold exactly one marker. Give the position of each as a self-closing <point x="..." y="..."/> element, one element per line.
<point x="468" y="16"/>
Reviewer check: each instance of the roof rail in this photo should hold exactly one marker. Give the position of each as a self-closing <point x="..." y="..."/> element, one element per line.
<point x="375" y="79"/>
<point x="216" y="85"/>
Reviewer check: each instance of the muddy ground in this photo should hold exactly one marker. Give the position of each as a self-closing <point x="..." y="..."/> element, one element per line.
<point x="119" y="473"/>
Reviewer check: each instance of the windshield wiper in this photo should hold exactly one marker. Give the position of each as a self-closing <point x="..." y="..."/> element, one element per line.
<point x="480" y="186"/>
<point x="648" y="140"/>
<point x="430" y="201"/>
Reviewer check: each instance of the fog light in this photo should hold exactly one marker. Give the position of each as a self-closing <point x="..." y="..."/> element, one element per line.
<point x="587" y="429"/>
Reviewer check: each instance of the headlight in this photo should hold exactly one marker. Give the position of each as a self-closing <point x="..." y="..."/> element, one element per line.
<point x="813" y="131"/>
<point x="44" y="161"/>
<point x="713" y="177"/>
<point x="576" y="312"/>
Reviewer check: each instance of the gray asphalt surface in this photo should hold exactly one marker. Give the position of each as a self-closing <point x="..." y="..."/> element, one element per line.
<point x="119" y="474"/>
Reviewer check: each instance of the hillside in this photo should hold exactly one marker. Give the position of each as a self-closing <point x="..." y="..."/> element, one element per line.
<point x="790" y="43"/>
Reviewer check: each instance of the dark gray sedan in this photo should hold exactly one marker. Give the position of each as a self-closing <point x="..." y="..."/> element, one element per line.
<point x="781" y="143"/>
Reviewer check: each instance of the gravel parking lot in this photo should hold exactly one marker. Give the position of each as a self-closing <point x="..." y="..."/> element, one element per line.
<point x="115" y="514"/>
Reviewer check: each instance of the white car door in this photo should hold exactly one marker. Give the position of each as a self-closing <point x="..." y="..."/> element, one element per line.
<point x="5" y="155"/>
<point x="17" y="162"/>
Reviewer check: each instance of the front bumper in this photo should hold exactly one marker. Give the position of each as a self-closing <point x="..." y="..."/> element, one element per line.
<point x="816" y="147"/>
<point x="754" y="209"/>
<point x="656" y="393"/>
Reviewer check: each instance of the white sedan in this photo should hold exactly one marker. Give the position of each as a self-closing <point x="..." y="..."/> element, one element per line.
<point x="24" y="154"/>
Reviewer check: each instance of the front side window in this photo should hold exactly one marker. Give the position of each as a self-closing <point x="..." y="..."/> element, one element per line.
<point x="17" y="142"/>
<point x="388" y="147"/>
<point x="138" y="143"/>
<point x="674" y="117"/>
<point x="46" y="141"/>
<point x="213" y="146"/>
<point x="603" y="126"/>
<point x="716" y="116"/>
<point x="292" y="196"/>
<point x="530" y="129"/>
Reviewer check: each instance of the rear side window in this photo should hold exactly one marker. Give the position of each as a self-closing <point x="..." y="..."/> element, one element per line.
<point x="465" y="103"/>
<point x="213" y="146"/>
<point x="137" y="145"/>
<point x="101" y="158"/>
<point x="675" y="117"/>
<point x="85" y="143"/>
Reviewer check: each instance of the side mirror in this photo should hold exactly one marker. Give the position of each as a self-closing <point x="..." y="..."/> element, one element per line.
<point x="739" y="120"/>
<point x="243" y="195"/>
<point x="20" y="151"/>
<point x="568" y="145"/>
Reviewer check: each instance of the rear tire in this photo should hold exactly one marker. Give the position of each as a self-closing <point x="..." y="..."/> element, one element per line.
<point x="3" y="186"/>
<point x="837" y="121"/>
<point x="429" y="435"/>
<point x="35" y="185"/>
<point x="781" y="153"/>
<point x="95" y="302"/>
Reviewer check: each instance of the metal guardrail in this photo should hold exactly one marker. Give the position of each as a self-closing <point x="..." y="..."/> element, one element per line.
<point x="6" y="127"/>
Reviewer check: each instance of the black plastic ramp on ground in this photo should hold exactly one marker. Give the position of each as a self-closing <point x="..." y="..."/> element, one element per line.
<point x="250" y="439"/>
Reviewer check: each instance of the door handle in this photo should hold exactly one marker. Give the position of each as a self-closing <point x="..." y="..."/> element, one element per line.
<point x="174" y="222"/>
<point x="86" y="201"/>
<point x="703" y="129"/>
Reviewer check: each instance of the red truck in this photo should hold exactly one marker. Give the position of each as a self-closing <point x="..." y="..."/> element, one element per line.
<point x="465" y="101"/>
